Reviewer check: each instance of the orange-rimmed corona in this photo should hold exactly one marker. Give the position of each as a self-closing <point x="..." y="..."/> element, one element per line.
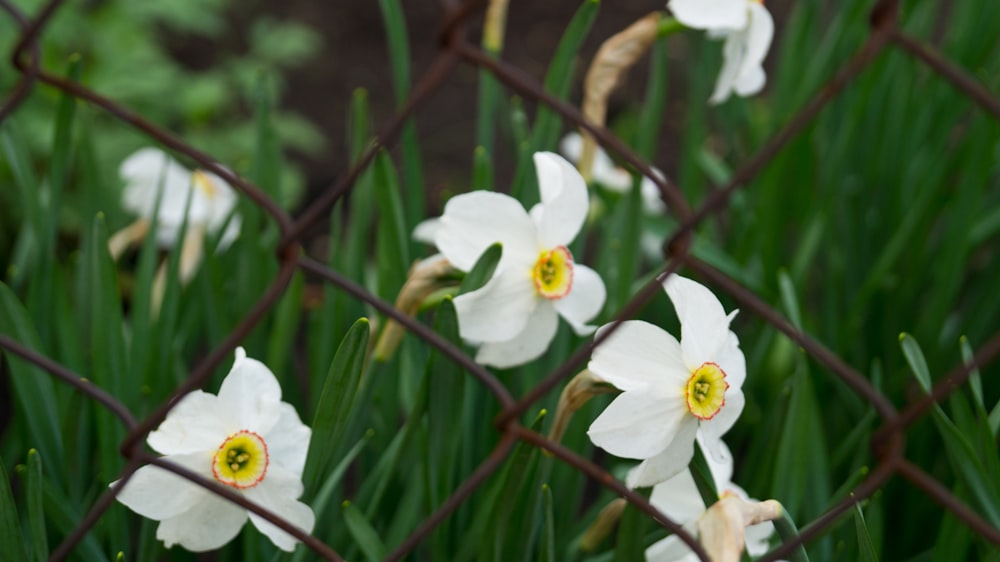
<point x="553" y="273"/>
<point x="241" y="461"/>
<point x="706" y="391"/>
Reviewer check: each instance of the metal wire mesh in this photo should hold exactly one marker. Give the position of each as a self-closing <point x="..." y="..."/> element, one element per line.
<point x="889" y="439"/>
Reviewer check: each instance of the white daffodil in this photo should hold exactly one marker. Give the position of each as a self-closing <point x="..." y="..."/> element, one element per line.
<point x="604" y="172"/>
<point x="245" y="438"/>
<point x="515" y="315"/>
<point x="747" y="28"/>
<point x="678" y="498"/>
<point x="671" y="390"/>
<point x="150" y="174"/>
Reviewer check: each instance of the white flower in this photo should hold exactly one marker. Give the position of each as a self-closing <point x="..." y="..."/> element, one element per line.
<point x="245" y="438"/>
<point x="678" y="498"/>
<point x="747" y="27"/>
<point x="604" y="172"/>
<point x="149" y="173"/>
<point x="515" y="315"/>
<point x="671" y="390"/>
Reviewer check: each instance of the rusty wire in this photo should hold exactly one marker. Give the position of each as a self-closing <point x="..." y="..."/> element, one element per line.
<point x="888" y="442"/>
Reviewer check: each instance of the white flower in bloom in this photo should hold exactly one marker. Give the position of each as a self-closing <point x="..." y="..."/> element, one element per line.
<point x="515" y="315"/>
<point x="671" y="390"/>
<point x="678" y="498"/>
<point x="747" y="28"/>
<point x="245" y="438"/>
<point x="149" y="173"/>
<point x="604" y="172"/>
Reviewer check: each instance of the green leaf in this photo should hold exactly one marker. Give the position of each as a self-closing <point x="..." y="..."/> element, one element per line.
<point x="482" y="170"/>
<point x="547" y="546"/>
<point x="631" y="539"/>
<point x="482" y="270"/>
<point x="336" y="401"/>
<point x="559" y="77"/>
<point x="32" y="386"/>
<point x="10" y="527"/>
<point x="446" y="385"/>
<point x="394" y="21"/>
<point x="286" y="324"/>
<point x="788" y="531"/>
<point x="865" y="547"/>
<point x="392" y="254"/>
<point x="915" y="358"/>
<point x="964" y="459"/>
<point x="35" y="509"/>
<point x="363" y="532"/>
<point x="801" y="475"/>
<point x="789" y="300"/>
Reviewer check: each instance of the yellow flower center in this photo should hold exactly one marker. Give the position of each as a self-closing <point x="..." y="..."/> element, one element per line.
<point x="241" y="461"/>
<point x="553" y="273"/>
<point x="706" y="391"/>
<point x="204" y="184"/>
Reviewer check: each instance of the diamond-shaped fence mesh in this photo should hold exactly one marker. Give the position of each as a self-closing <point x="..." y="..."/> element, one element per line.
<point x="888" y="444"/>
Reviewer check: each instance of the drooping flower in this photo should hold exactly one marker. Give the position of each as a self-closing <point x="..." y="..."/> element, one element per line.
<point x="604" y="172"/>
<point x="245" y="438"/>
<point x="678" y="498"/>
<point x="747" y="28"/>
<point x="671" y="390"/>
<point x="515" y="314"/>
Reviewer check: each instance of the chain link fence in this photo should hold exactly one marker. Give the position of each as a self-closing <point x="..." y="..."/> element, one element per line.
<point x="888" y="444"/>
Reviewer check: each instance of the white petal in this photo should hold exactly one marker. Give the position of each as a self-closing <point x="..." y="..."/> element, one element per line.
<point x="288" y="441"/>
<point x="530" y="344"/>
<point x="426" y="231"/>
<point x="475" y="221"/>
<point x="158" y="494"/>
<point x="721" y="466"/>
<point x="730" y="358"/>
<point x="704" y="324"/>
<point x="652" y="203"/>
<point x="564" y="200"/>
<point x="150" y="173"/>
<point x="759" y="34"/>
<point x="712" y="430"/>
<point x="218" y="206"/>
<point x="208" y="525"/>
<point x="678" y="498"/>
<point x="710" y="14"/>
<point x="251" y="394"/>
<point x="198" y="422"/>
<point x="498" y="310"/>
<point x="640" y="356"/>
<point x="670" y="549"/>
<point x="277" y="493"/>
<point x="675" y="458"/>
<point x="584" y="301"/>
<point x="732" y="66"/>
<point x="571" y="146"/>
<point x="639" y="425"/>
<point x="750" y="82"/>
<point x="758" y="538"/>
